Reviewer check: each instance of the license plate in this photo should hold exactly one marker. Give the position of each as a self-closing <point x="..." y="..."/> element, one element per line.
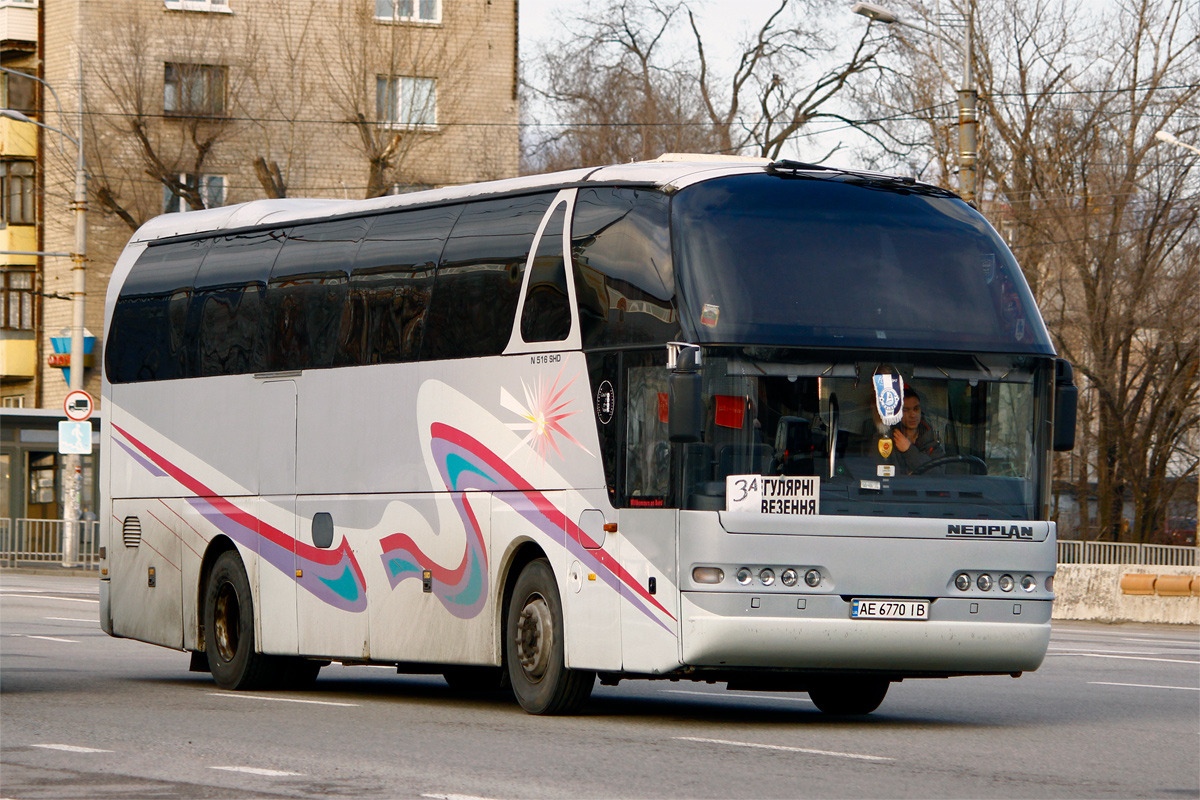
<point x="889" y="609"/>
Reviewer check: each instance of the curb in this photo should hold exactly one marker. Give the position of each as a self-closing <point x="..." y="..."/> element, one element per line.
<point x="59" y="572"/>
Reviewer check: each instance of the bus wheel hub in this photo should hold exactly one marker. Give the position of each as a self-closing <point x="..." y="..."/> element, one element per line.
<point x="534" y="637"/>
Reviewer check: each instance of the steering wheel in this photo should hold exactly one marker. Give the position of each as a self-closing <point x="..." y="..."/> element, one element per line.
<point x="978" y="465"/>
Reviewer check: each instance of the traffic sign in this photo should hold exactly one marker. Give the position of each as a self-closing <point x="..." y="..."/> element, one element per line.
<point x="74" y="438"/>
<point x="78" y="405"/>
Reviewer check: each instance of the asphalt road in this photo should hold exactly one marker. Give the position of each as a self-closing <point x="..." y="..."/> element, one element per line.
<point x="1114" y="712"/>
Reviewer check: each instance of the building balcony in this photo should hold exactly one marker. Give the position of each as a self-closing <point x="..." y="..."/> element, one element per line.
<point x="18" y="354"/>
<point x="21" y="238"/>
<point x="17" y="139"/>
<point x="18" y="25"/>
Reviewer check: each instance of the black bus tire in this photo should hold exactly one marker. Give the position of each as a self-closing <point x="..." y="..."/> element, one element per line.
<point x="229" y="627"/>
<point x="534" y="646"/>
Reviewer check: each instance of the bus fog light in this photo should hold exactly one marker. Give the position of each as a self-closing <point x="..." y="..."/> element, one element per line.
<point x="744" y="576"/>
<point x="708" y="575"/>
<point x="1050" y="583"/>
<point x="1029" y="583"/>
<point x="1006" y="583"/>
<point x="813" y="578"/>
<point x="767" y="577"/>
<point x="984" y="582"/>
<point x="789" y="577"/>
<point x="962" y="581"/>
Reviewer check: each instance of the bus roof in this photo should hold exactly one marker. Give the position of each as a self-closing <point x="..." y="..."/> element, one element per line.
<point x="669" y="171"/>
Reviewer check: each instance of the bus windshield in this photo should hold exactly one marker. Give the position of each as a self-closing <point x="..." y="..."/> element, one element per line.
<point x="847" y="261"/>
<point x="967" y="446"/>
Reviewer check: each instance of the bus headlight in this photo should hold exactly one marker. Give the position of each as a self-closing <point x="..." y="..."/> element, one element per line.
<point x="744" y="576"/>
<point x="813" y="578"/>
<point x="1029" y="583"/>
<point x="789" y="577"/>
<point x="1050" y="583"/>
<point x="767" y="576"/>
<point x="1007" y="583"/>
<point x="984" y="582"/>
<point x="962" y="582"/>
<point x="708" y="575"/>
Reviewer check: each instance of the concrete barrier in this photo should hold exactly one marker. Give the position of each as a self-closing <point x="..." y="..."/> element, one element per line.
<point x="1127" y="593"/>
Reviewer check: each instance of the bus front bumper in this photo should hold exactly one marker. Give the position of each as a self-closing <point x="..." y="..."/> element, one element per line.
<point x="815" y="632"/>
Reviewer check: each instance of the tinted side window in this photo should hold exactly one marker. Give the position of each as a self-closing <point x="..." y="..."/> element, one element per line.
<point x="226" y="304"/>
<point x="390" y="285"/>
<point x="479" y="277"/>
<point x="621" y="248"/>
<point x="546" y="316"/>
<point x="146" y="336"/>
<point x="307" y="294"/>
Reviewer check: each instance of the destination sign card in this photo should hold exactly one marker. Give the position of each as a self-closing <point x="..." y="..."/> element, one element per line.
<point x="783" y="495"/>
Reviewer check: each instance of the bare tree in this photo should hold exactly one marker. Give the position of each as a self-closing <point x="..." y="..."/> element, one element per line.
<point x="637" y="79"/>
<point x="172" y="113"/>
<point x="283" y="128"/>
<point x="398" y="85"/>
<point x="623" y="95"/>
<point x="1104" y="219"/>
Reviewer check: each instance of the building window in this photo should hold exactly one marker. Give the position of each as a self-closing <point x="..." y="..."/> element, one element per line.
<point x="193" y="89"/>
<point x="198" y="5"/>
<point x="18" y="92"/>
<point x="408" y="10"/>
<point x="210" y="187"/>
<point x="17" y="192"/>
<point x="406" y="102"/>
<point x="17" y="313"/>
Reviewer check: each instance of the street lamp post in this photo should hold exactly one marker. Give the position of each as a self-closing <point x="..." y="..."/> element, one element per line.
<point x="968" y="97"/>
<point x="73" y="485"/>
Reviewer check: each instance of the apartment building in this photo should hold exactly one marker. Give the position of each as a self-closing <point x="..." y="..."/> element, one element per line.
<point x="198" y="103"/>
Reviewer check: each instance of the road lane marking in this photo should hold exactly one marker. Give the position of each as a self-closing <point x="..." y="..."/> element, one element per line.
<point x="1126" y="658"/>
<point x="70" y="748"/>
<point x="1146" y="686"/>
<point x="240" y="696"/>
<point x="455" y="797"/>
<point x="1124" y="652"/>
<point x="745" y="696"/>
<point x="269" y="773"/>
<point x="783" y="748"/>
<point x="49" y="638"/>
<point x="50" y="597"/>
<point x="72" y="619"/>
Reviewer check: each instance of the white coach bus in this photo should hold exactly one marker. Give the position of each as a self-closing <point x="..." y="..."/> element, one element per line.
<point x="771" y="424"/>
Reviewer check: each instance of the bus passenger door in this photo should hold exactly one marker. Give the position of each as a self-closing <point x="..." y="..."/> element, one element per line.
<point x="593" y="600"/>
<point x="276" y="512"/>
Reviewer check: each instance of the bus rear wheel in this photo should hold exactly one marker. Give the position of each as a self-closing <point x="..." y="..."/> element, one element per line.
<point x="848" y="695"/>
<point x="534" y="646"/>
<point x="229" y="627"/>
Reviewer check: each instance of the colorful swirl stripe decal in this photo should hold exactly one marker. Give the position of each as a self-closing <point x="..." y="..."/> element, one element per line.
<point x="332" y="576"/>
<point x="466" y="464"/>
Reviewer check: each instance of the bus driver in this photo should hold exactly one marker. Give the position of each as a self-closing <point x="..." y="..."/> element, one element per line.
<point x="914" y="439"/>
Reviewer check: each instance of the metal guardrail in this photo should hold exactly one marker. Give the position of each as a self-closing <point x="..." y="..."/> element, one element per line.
<point x="1158" y="555"/>
<point x="26" y="542"/>
<point x="33" y="542"/>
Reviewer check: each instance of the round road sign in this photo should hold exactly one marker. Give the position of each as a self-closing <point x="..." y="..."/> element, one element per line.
<point x="78" y="405"/>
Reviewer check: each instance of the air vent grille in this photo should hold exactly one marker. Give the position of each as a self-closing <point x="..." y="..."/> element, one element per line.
<point x="131" y="531"/>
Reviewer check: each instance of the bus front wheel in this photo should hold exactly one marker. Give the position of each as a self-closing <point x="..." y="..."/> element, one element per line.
<point x="534" y="646"/>
<point x="229" y="627"/>
<point x="848" y="695"/>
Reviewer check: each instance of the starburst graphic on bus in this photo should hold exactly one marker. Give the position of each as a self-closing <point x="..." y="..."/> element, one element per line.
<point x="543" y="411"/>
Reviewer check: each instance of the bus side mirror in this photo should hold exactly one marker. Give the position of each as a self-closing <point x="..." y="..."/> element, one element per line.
<point x="685" y="404"/>
<point x="1066" y="398"/>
